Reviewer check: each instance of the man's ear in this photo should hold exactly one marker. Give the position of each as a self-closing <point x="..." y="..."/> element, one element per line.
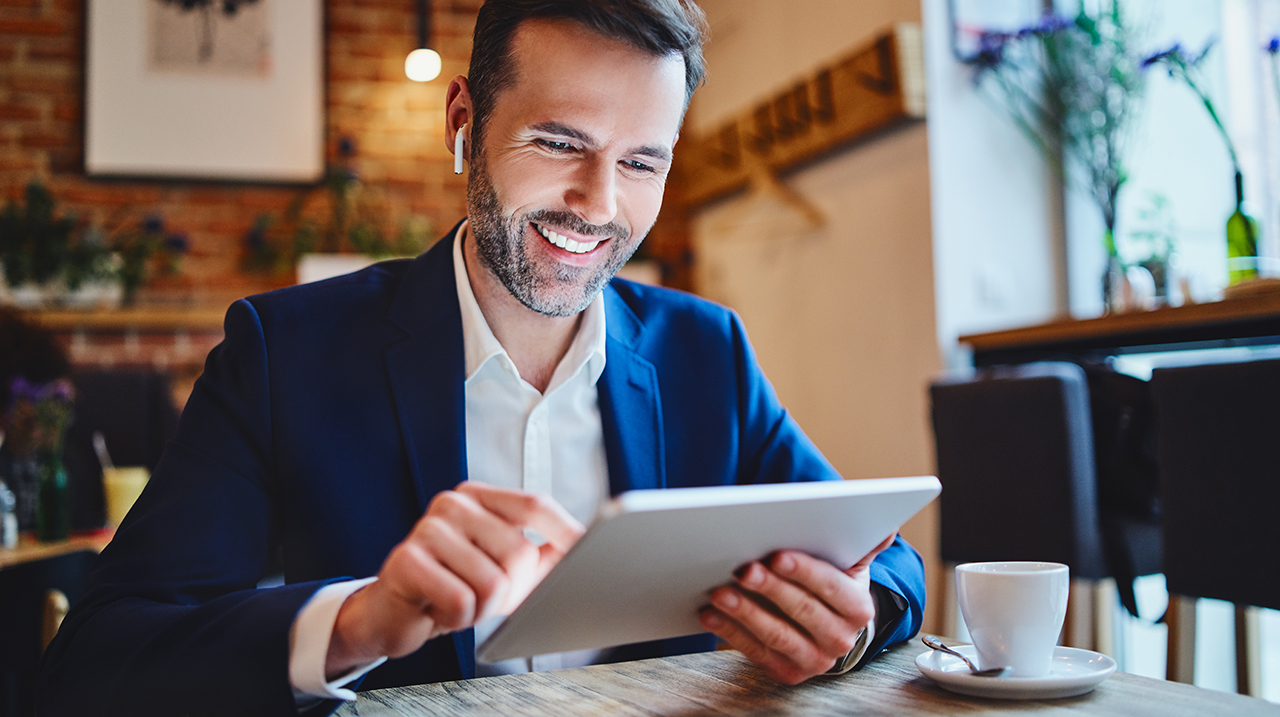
<point x="457" y="109"/>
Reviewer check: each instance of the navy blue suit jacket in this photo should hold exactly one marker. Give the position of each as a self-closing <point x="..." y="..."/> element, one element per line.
<point x="322" y="427"/>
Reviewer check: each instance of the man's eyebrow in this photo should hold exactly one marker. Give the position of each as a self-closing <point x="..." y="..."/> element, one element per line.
<point x="564" y="130"/>
<point x="653" y="150"/>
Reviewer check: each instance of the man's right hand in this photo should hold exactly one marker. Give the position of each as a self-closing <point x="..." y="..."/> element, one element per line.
<point x="467" y="559"/>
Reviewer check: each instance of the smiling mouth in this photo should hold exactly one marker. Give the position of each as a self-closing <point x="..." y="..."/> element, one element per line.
<point x="569" y="245"/>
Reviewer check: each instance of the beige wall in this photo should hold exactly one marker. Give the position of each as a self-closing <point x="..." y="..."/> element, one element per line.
<point x="842" y="315"/>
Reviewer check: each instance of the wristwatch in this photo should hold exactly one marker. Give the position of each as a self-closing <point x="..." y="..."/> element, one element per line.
<point x="846" y="663"/>
<point x="889" y="607"/>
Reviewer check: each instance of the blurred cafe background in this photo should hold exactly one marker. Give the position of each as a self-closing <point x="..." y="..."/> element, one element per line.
<point x="1032" y="246"/>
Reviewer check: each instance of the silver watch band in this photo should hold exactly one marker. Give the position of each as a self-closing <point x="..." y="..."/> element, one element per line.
<point x="847" y="662"/>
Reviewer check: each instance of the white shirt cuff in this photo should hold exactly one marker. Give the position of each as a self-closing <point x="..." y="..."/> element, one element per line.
<point x="848" y="662"/>
<point x="309" y="645"/>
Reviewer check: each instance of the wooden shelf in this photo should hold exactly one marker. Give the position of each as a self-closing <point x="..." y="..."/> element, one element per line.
<point x="1243" y="320"/>
<point x="166" y="319"/>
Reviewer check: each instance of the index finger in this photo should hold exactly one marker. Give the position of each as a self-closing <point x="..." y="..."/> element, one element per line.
<point x="867" y="559"/>
<point x="528" y="510"/>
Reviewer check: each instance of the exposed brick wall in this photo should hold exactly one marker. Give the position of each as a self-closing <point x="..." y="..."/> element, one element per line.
<point x="396" y="124"/>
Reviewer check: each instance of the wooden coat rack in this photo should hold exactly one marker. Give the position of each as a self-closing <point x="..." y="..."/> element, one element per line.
<point x="873" y="87"/>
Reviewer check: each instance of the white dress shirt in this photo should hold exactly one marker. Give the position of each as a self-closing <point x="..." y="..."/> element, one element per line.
<point x="517" y="437"/>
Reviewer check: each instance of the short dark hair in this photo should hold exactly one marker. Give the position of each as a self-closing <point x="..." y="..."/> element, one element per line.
<point x="659" y="27"/>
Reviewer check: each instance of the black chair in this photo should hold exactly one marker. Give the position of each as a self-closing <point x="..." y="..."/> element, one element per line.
<point x="1219" y="444"/>
<point x="1016" y="458"/>
<point x="23" y="591"/>
<point x="134" y="411"/>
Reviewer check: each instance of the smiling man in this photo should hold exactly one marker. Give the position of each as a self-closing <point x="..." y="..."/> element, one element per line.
<point x="395" y="433"/>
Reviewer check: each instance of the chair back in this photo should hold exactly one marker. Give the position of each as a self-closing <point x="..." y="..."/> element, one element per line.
<point x="1016" y="461"/>
<point x="1219" y="447"/>
<point x="133" y="409"/>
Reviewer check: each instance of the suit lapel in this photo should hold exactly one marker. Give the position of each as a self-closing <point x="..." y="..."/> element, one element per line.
<point x="630" y="405"/>
<point x="426" y="373"/>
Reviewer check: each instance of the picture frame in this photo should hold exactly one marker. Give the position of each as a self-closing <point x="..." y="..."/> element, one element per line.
<point x="219" y="91"/>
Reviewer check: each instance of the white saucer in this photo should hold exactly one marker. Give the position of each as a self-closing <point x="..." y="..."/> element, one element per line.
<point x="1074" y="672"/>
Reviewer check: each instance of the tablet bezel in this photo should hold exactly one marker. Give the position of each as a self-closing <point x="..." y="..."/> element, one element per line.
<point x="838" y="521"/>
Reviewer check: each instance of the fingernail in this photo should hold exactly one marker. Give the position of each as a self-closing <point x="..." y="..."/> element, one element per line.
<point x="784" y="564"/>
<point x="726" y="599"/>
<point x="712" y="620"/>
<point x="753" y="576"/>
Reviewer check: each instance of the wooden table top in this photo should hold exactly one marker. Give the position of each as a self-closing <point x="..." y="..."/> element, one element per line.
<point x="30" y="550"/>
<point x="725" y="683"/>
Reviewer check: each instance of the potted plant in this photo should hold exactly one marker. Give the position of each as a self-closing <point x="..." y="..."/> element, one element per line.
<point x="1072" y="86"/>
<point x="50" y="259"/>
<point x="355" y="232"/>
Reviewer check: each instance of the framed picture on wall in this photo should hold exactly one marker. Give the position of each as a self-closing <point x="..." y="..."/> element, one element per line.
<point x="229" y="90"/>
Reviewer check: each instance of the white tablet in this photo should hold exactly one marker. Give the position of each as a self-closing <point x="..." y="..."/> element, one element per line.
<point x="648" y="562"/>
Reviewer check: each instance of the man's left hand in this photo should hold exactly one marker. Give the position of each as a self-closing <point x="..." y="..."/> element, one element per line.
<point x="792" y="614"/>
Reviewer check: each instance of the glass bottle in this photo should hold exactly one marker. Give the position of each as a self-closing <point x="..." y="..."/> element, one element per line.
<point x="1112" y="277"/>
<point x="8" y="517"/>
<point x="24" y="481"/>
<point x="1242" y="240"/>
<point x="53" y="508"/>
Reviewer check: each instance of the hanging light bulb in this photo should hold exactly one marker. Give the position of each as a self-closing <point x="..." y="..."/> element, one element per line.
<point x="423" y="64"/>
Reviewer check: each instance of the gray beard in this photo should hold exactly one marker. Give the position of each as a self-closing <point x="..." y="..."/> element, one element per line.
<point x="500" y="243"/>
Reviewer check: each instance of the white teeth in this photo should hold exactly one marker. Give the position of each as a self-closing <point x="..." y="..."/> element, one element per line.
<point x="566" y="243"/>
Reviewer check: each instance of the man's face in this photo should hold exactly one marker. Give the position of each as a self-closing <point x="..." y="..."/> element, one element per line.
<point x="569" y="176"/>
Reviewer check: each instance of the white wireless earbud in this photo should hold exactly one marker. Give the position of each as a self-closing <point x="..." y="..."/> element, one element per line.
<point x="458" y="140"/>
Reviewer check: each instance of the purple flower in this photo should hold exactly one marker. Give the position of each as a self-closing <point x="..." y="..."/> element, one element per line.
<point x="1273" y="47"/>
<point x="1177" y="55"/>
<point x="990" y="51"/>
<point x="153" y="224"/>
<point x="992" y="44"/>
<point x="346" y="147"/>
<point x="176" y="243"/>
<point x="22" y="389"/>
<point x="256" y="238"/>
<point x="1051" y="23"/>
<point x="1171" y="53"/>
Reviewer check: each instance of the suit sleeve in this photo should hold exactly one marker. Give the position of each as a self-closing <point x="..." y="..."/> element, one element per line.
<point x="171" y="621"/>
<point x="774" y="449"/>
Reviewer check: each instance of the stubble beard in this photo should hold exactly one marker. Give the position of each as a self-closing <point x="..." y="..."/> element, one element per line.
<point x="560" y="291"/>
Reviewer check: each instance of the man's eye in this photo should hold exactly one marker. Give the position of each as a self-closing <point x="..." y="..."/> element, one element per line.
<point x="554" y="145"/>
<point x="637" y="165"/>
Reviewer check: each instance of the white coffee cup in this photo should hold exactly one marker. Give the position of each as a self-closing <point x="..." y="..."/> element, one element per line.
<point x="1014" y="612"/>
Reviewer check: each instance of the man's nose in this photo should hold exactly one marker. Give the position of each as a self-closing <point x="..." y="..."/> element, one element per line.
<point x="594" y="192"/>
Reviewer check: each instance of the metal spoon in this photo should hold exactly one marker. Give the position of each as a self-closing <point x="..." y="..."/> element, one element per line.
<point x="934" y="643"/>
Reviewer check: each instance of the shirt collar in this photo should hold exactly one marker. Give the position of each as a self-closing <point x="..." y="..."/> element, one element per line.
<point x="479" y="345"/>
